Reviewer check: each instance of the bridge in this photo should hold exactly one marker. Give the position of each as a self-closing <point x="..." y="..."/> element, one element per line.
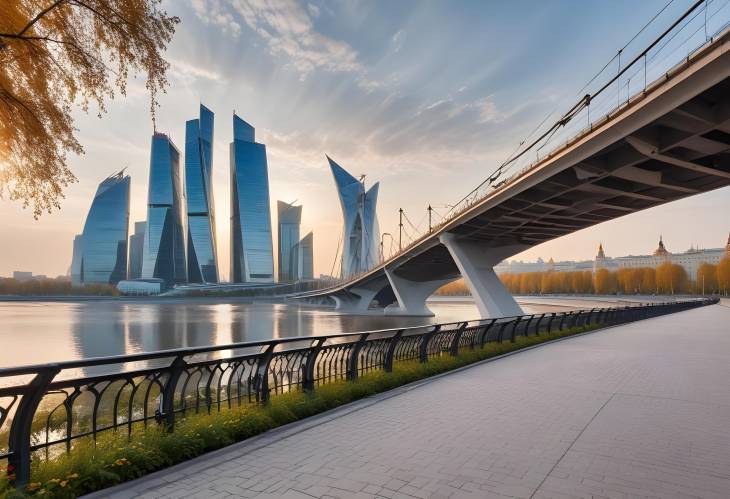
<point x="669" y="140"/>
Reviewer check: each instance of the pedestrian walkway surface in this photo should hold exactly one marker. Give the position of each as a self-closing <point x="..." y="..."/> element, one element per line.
<point x="640" y="410"/>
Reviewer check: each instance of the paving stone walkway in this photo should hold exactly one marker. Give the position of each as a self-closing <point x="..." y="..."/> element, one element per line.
<point x="641" y="410"/>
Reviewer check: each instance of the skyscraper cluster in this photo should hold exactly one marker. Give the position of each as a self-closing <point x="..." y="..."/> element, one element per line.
<point x="177" y="242"/>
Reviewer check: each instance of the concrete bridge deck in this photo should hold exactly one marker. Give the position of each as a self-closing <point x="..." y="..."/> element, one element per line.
<point x="640" y="410"/>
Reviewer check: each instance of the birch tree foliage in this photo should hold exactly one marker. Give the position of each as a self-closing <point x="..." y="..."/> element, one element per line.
<point x="58" y="54"/>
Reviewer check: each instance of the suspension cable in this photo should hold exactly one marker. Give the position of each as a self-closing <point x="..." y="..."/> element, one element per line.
<point x="586" y="99"/>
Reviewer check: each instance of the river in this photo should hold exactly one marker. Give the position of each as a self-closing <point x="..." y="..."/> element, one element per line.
<point x="34" y="332"/>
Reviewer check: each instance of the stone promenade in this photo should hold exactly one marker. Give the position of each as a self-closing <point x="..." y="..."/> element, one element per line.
<point x="641" y="410"/>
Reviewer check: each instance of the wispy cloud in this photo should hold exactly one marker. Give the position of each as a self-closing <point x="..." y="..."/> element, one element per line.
<point x="398" y="40"/>
<point x="187" y="71"/>
<point x="287" y="28"/>
<point x="313" y="9"/>
<point x="216" y="13"/>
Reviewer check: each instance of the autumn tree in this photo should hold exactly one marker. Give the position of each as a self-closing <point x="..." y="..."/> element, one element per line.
<point x="58" y="54"/>
<point x="723" y="275"/>
<point x="671" y="278"/>
<point x="648" y="280"/>
<point x="706" y="278"/>
<point x="605" y="282"/>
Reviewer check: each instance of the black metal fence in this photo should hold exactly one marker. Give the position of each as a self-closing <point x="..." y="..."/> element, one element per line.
<point x="45" y="408"/>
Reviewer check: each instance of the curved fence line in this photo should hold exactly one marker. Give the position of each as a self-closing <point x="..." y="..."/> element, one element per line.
<point x="44" y="409"/>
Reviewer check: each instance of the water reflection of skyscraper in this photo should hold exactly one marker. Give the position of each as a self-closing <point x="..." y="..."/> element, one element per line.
<point x="96" y="331"/>
<point x="251" y="322"/>
<point x="113" y="328"/>
<point x="164" y="326"/>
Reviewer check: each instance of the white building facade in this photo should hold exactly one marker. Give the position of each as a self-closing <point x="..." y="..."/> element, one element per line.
<point x="690" y="259"/>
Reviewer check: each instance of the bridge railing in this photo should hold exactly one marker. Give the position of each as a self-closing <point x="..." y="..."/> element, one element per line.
<point x="642" y="66"/>
<point x="46" y="409"/>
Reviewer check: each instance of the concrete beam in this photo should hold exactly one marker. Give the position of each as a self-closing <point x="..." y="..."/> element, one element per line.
<point x="476" y="263"/>
<point x="651" y="151"/>
<point x="647" y="177"/>
<point x="412" y="295"/>
<point x="354" y="300"/>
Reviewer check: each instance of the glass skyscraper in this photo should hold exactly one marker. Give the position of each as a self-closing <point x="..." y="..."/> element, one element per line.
<point x="361" y="235"/>
<point x="136" y="250"/>
<point x="252" y="258"/>
<point x="202" y="249"/>
<point x="78" y="250"/>
<point x="164" y="255"/>
<point x="100" y="252"/>
<point x="305" y="264"/>
<point x="289" y="218"/>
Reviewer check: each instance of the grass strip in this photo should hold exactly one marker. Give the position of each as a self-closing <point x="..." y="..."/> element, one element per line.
<point x="115" y="458"/>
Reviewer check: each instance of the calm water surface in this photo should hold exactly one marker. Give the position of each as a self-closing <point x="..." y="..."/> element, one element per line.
<point x="38" y="332"/>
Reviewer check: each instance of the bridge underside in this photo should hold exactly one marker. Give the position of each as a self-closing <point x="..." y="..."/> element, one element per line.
<point x="673" y="155"/>
<point x="685" y="152"/>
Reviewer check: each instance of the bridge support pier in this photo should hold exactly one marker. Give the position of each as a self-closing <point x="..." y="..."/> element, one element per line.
<point x="476" y="263"/>
<point x="354" y="300"/>
<point x="412" y="295"/>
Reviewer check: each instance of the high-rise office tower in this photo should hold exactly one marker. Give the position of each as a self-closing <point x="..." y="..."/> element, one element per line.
<point x="289" y="218"/>
<point x="164" y="242"/>
<point x="136" y="250"/>
<point x="360" y="233"/>
<point x="100" y="252"/>
<point x="76" y="257"/>
<point x="252" y="258"/>
<point x="202" y="248"/>
<point x="305" y="265"/>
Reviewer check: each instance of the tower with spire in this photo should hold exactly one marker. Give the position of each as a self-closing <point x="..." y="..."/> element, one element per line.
<point x="661" y="252"/>
<point x="600" y="261"/>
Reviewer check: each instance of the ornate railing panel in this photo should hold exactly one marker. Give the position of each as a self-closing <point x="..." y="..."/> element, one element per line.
<point x="45" y="409"/>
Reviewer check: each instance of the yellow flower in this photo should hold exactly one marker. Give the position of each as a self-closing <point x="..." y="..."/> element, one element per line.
<point x="54" y="480"/>
<point x="72" y="475"/>
<point x="34" y="486"/>
<point x="63" y="483"/>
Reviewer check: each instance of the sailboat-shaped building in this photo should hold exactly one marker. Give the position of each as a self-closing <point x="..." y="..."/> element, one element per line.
<point x="361" y="234"/>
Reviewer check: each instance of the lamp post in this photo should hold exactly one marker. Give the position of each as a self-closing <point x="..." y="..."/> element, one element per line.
<point x="400" y="229"/>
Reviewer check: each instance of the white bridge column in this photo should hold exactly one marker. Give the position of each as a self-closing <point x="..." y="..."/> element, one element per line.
<point x="355" y="300"/>
<point x="412" y="295"/>
<point x="476" y="264"/>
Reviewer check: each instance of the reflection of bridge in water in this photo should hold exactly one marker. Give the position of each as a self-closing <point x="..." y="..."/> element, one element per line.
<point x="668" y="141"/>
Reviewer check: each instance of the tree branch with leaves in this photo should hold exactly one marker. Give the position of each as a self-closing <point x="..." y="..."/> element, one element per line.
<point x="58" y="54"/>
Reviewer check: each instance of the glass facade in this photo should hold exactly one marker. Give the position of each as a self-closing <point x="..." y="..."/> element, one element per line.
<point x="202" y="249"/>
<point x="136" y="250"/>
<point x="76" y="260"/>
<point x="290" y="217"/>
<point x="100" y="252"/>
<point x="361" y="234"/>
<point x="164" y="254"/>
<point x="252" y="258"/>
<point x="305" y="266"/>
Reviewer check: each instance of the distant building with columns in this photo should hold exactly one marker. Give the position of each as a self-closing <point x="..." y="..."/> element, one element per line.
<point x="690" y="259"/>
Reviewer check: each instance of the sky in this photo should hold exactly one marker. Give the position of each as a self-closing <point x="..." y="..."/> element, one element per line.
<point x="426" y="97"/>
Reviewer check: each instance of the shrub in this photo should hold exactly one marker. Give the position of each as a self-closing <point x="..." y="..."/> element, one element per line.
<point x="116" y="457"/>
